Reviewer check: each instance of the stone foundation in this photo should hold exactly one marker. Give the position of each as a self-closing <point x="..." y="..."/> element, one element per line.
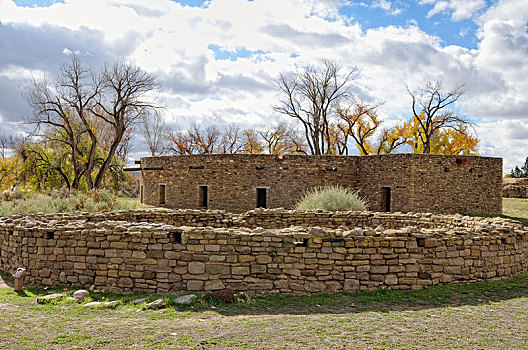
<point x="268" y="251"/>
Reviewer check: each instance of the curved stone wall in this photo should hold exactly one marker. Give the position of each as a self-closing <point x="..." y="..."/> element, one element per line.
<point x="260" y="251"/>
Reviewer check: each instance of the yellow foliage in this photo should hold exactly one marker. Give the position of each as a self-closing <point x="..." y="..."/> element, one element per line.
<point x="8" y="173"/>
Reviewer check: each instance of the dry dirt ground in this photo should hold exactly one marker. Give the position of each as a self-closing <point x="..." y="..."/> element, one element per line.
<point x="491" y="315"/>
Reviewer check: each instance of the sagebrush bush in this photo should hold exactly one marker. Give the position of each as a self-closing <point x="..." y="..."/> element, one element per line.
<point x="91" y="201"/>
<point x="332" y="198"/>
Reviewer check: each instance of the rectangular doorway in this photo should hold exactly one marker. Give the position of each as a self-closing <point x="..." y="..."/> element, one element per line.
<point x="261" y="198"/>
<point x="162" y="194"/>
<point x="203" y="196"/>
<point x="386" y="198"/>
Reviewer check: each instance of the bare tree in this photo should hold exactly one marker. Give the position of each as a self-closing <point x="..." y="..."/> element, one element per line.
<point x="85" y="106"/>
<point x="206" y="140"/>
<point x="231" y="142"/>
<point x="179" y="142"/>
<point x="154" y="131"/>
<point x="126" y="96"/>
<point x="63" y="105"/>
<point x="312" y="97"/>
<point x="430" y="107"/>
<point x="6" y="145"/>
<point x="282" y="139"/>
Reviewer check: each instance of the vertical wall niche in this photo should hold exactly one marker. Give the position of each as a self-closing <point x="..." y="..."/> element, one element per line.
<point x="386" y="198"/>
<point x="261" y="197"/>
<point x="162" y="190"/>
<point x="203" y="196"/>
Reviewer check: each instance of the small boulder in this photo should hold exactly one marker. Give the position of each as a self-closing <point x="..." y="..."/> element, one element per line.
<point x="93" y="304"/>
<point x="81" y="294"/>
<point x="112" y="303"/>
<point x="49" y="298"/>
<point x="139" y="301"/>
<point x="185" y="299"/>
<point x="227" y="296"/>
<point x="156" y="304"/>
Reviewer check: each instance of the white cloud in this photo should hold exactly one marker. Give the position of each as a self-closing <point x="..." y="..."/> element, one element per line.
<point x="173" y="40"/>
<point x="387" y="6"/>
<point x="460" y="9"/>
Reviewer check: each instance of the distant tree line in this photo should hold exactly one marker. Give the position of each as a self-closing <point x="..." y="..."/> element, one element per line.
<point x="83" y="124"/>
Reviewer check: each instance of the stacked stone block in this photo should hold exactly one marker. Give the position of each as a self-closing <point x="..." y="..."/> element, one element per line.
<point x="417" y="182"/>
<point x="259" y="251"/>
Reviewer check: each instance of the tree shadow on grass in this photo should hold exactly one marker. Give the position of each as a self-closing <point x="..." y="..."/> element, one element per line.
<point x="384" y="300"/>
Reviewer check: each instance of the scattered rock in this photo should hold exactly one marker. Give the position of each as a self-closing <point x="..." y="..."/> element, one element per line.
<point x="139" y="301"/>
<point x="156" y="304"/>
<point x="185" y="299"/>
<point x="48" y="298"/>
<point x="112" y="303"/>
<point x="93" y="304"/>
<point x="81" y="294"/>
<point x="227" y="296"/>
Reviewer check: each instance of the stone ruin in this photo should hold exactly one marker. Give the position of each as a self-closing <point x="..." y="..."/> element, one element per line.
<point x="260" y="251"/>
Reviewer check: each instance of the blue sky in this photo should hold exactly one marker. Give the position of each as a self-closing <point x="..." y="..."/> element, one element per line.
<point x="217" y="59"/>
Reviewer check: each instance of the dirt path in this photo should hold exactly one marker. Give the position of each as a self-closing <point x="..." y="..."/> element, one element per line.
<point x="3" y="283"/>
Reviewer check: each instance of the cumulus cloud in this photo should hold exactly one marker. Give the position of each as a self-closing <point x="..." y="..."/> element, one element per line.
<point x="388" y="6"/>
<point x="459" y="9"/>
<point x="178" y="43"/>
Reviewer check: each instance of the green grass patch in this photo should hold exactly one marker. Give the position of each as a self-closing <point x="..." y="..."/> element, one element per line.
<point x="439" y="295"/>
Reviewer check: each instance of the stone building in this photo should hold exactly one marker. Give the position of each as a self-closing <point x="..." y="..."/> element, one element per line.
<point x="396" y="182"/>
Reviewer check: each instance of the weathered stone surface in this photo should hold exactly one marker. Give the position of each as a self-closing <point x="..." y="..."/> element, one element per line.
<point x="93" y="304"/>
<point x="196" y="268"/>
<point x="80" y="295"/>
<point x="113" y="303"/>
<point x="139" y="301"/>
<point x="214" y="285"/>
<point x="264" y="251"/>
<point x="156" y="304"/>
<point x="185" y="299"/>
<point x="472" y="186"/>
<point x="351" y="285"/>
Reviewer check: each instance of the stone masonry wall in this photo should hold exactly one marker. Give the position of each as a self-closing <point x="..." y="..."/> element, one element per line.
<point x="417" y="182"/>
<point x="355" y="251"/>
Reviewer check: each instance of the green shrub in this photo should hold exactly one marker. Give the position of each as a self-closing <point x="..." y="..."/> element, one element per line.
<point x="332" y="198"/>
<point x="62" y="202"/>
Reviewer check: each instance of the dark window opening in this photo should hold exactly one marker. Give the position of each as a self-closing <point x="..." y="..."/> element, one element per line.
<point x="261" y="198"/>
<point x="203" y="196"/>
<point x="162" y="194"/>
<point x="420" y="242"/>
<point x="386" y="198"/>
<point x="175" y="237"/>
<point x="50" y="235"/>
<point x="303" y="243"/>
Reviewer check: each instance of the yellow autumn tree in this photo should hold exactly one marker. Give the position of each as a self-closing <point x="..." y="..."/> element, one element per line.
<point x="8" y="173"/>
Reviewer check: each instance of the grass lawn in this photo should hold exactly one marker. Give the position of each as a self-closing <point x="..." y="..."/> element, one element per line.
<point x="515" y="207"/>
<point x="489" y="315"/>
